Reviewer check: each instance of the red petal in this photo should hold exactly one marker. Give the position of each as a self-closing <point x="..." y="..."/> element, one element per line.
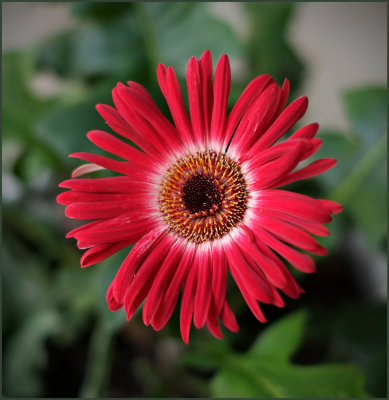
<point x="256" y="120"/>
<point x="222" y="85"/>
<point x="306" y="132"/>
<point x="137" y="207"/>
<point x="291" y="234"/>
<point x="228" y="318"/>
<point x="214" y="328"/>
<point x="312" y="227"/>
<point x="115" y="184"/>
<point x="161" y="282"/>
<point x="301" y="206"/>
<point x="267" y="175"/>
<point x="274" y="152"/>
<point x="133" y="261"/>
<point x="302" y="262"/>
<point x="204" y="286"/>
<point x="219" y="281"/>
<point x="122" y="127"/>
<point x="282" y="124"/>
<point x="235" y="265"/>
<point x="330" y="205"/>
<point x="151" y="114"/>
<point x="142" y="128"/>
<point x="315" y="168"/>
<point x="170" y="297"/>
<point x="207" y="90"/>
<point x="193" y="82"/>
<point x="143" y="279"/>
<point x="76" y="196"/>
<point x="171" y="90"/>
<point x="124" y="227"/>
<point x="101" y="252"/>
<point x="283" y="95"/>
<point x="249" y="95"/>
<point x="269" y="268"/>
<point x="121" y="167"/>
<point x="187" y="304"/>
<point x="117" y="147"/>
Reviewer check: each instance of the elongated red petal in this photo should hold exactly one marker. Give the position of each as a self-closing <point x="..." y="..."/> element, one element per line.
<point x="256" y="120"/>
<point x="151" y="114"/>
<point x="300" y="261"/>
<point x="235" y="265"/>
<point x="161" y="282"/>
<point x="187" y="304"/>
<point x="228" y="318"/>
<point x="204" y="287"/>
<point x="170" y="297"/>
<point x="285" y="121"/>
<point x="117" y="147"/>
<point x="121" y="167"/>
<point x="125" y="227"/>
<point x="77" y="196"/>
<point x="332" y="206"/>
<point x="133" y="261"/>
<point x="296" y="204"/>
<point x="207" y="91"/>
<point x="291" y="234"/>
<point x="109" y="209"/>
<point x="142" y="281"/>
<point x="270" y="269"/>
<point x="116" y="184"/>
<point x="222" y="85"/>
<point x="306" y="132"/>
<point x="275" y="152"/>
<point x="102" y="251"/>
<point x="249" y="95"/>
<point x="219" y="281"/>
<point x="268" y="174"/>
<point x="118" y="123"/>
<point x="315" y="168"/>
<point x="171" y="90"/>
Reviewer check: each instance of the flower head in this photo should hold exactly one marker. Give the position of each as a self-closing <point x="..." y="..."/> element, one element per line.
<point x="201" y="199"/>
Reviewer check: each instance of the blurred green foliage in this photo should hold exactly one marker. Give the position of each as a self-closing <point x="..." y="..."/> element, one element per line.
<point x="265" y="371"/>
<point x="59" y="339"/>
<point x="359" y="180"/>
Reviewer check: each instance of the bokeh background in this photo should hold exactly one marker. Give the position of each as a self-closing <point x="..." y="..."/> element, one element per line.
<point x="59" y="339"/>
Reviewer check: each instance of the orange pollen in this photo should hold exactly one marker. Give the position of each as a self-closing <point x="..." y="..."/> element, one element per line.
<point x="203" y="196"/>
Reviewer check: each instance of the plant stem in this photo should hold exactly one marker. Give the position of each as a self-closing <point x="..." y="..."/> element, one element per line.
<point x="98" y="364"/>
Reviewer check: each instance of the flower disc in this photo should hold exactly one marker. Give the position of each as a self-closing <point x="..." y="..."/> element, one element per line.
<point x="203" y="196"/>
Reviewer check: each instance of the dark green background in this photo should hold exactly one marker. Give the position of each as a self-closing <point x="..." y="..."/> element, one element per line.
<point x="59" y="339"/>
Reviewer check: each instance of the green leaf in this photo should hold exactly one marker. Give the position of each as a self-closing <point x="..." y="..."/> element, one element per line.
<point x="265" y="370"/>
<point x="281" y="340"/>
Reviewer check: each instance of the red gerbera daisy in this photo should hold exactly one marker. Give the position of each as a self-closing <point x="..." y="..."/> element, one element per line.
<point x="201" y="199"/>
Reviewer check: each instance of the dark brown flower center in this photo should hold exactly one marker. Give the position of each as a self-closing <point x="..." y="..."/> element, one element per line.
<point x="203" y="196"/>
